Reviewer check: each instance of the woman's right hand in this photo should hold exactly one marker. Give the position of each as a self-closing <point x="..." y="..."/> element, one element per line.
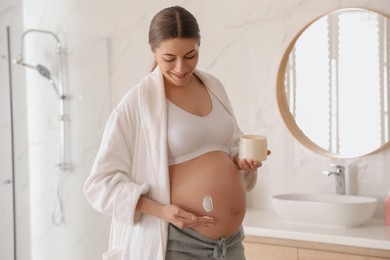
<point x="184" y="219"/>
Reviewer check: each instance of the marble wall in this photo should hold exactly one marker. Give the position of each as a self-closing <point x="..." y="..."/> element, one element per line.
<point x="242" y="44"/>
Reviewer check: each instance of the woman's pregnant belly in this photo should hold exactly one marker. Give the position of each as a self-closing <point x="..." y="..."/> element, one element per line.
<point x="212" y="174"/>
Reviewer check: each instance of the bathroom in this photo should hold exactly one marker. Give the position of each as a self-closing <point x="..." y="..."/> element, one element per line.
<point x="43" y="211"/>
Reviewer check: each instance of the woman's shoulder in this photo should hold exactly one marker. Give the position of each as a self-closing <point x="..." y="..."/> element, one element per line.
<point x="132" y="95"/>
<point x="129" y="99"/>
<point x="145" y="88"/>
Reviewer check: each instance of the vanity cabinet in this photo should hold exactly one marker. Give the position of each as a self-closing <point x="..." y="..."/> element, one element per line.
<point x="308" y="254"/>
<point x="258" y="251"/>
<point x="264" y="248"/>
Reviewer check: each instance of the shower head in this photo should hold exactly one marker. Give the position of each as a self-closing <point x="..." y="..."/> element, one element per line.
<point x="43" y="71"/>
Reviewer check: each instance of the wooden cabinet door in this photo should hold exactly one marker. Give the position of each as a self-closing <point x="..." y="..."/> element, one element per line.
<point x="255" y="251"/>
<point x="307" y="254"/>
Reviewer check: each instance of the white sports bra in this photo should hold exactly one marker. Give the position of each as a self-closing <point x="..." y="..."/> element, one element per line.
<point x="190" y="136"/>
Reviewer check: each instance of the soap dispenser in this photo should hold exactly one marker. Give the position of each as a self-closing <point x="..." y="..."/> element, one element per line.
<point x="387" y="210"/>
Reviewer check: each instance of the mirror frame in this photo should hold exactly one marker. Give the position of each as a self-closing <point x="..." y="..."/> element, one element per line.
<point x="284" y="109"/>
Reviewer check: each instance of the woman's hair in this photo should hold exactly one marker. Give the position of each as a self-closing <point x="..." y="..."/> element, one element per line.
<point x="172" y="22"/>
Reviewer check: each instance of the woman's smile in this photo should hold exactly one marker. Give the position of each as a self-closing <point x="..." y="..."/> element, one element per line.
<point x="178" y="76"/>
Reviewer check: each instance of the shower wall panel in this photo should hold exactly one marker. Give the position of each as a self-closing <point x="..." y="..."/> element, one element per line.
<point x="86" y="87"/>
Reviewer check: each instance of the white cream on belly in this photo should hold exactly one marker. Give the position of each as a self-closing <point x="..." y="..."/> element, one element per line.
<point x="207" y="203"/>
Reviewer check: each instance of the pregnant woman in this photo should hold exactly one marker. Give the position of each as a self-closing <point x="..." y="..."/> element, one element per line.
<point x="168" y="171"/>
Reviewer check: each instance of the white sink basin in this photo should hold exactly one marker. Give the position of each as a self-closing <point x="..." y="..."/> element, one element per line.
<point x="325" y="209"/>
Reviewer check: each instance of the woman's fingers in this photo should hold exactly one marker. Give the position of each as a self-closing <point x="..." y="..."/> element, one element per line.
<point x="246" y="164"/>
<point x="201" y="221"/>
<point x="185" y="219"/>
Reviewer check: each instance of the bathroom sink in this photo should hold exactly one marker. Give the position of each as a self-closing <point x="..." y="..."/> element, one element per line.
<point x="325" y="209"/>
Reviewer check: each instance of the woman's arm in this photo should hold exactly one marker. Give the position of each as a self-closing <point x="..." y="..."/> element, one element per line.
<point x="248" y="171"/>
<point x="108" y="188"/>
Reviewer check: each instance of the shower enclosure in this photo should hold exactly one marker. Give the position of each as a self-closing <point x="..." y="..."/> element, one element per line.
<point x="58" y="84"/>
<point x="54" y="104"/>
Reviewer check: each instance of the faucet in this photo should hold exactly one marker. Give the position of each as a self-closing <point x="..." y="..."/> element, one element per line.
<point x="338" y="172"/>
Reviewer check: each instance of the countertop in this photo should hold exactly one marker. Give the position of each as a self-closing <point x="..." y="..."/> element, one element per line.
<point x="266" y="223"/>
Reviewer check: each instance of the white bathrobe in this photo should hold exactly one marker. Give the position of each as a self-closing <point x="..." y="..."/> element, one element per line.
<point x="132" y="161"/>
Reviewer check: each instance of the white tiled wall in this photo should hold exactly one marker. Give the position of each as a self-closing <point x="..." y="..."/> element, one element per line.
<point x="242" y="44"/>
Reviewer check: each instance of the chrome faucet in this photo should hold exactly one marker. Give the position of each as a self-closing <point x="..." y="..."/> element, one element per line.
<point x="339" y="173"/>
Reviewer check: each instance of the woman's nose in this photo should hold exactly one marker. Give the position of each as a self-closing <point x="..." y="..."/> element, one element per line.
<point x="180" y="65"/>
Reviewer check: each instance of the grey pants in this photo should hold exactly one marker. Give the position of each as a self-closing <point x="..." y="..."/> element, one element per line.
<point x="185" y="244"/>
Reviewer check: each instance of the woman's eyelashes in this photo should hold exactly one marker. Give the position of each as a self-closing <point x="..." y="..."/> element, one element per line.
<point x="169" y="60"/>
<point x="189" y="57"/>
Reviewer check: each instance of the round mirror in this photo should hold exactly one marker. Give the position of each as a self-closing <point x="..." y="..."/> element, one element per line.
<point x="333" y="84"/>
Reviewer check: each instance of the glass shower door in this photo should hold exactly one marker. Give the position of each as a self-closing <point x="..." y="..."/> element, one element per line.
<point x="53" y="218"/>
<point x="6" y="184"/>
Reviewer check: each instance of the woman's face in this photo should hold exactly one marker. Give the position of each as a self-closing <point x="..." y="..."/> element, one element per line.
<point x="177" y="59"/>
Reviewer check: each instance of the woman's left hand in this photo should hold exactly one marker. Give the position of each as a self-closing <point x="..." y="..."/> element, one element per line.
<point x="248" y="164"/>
